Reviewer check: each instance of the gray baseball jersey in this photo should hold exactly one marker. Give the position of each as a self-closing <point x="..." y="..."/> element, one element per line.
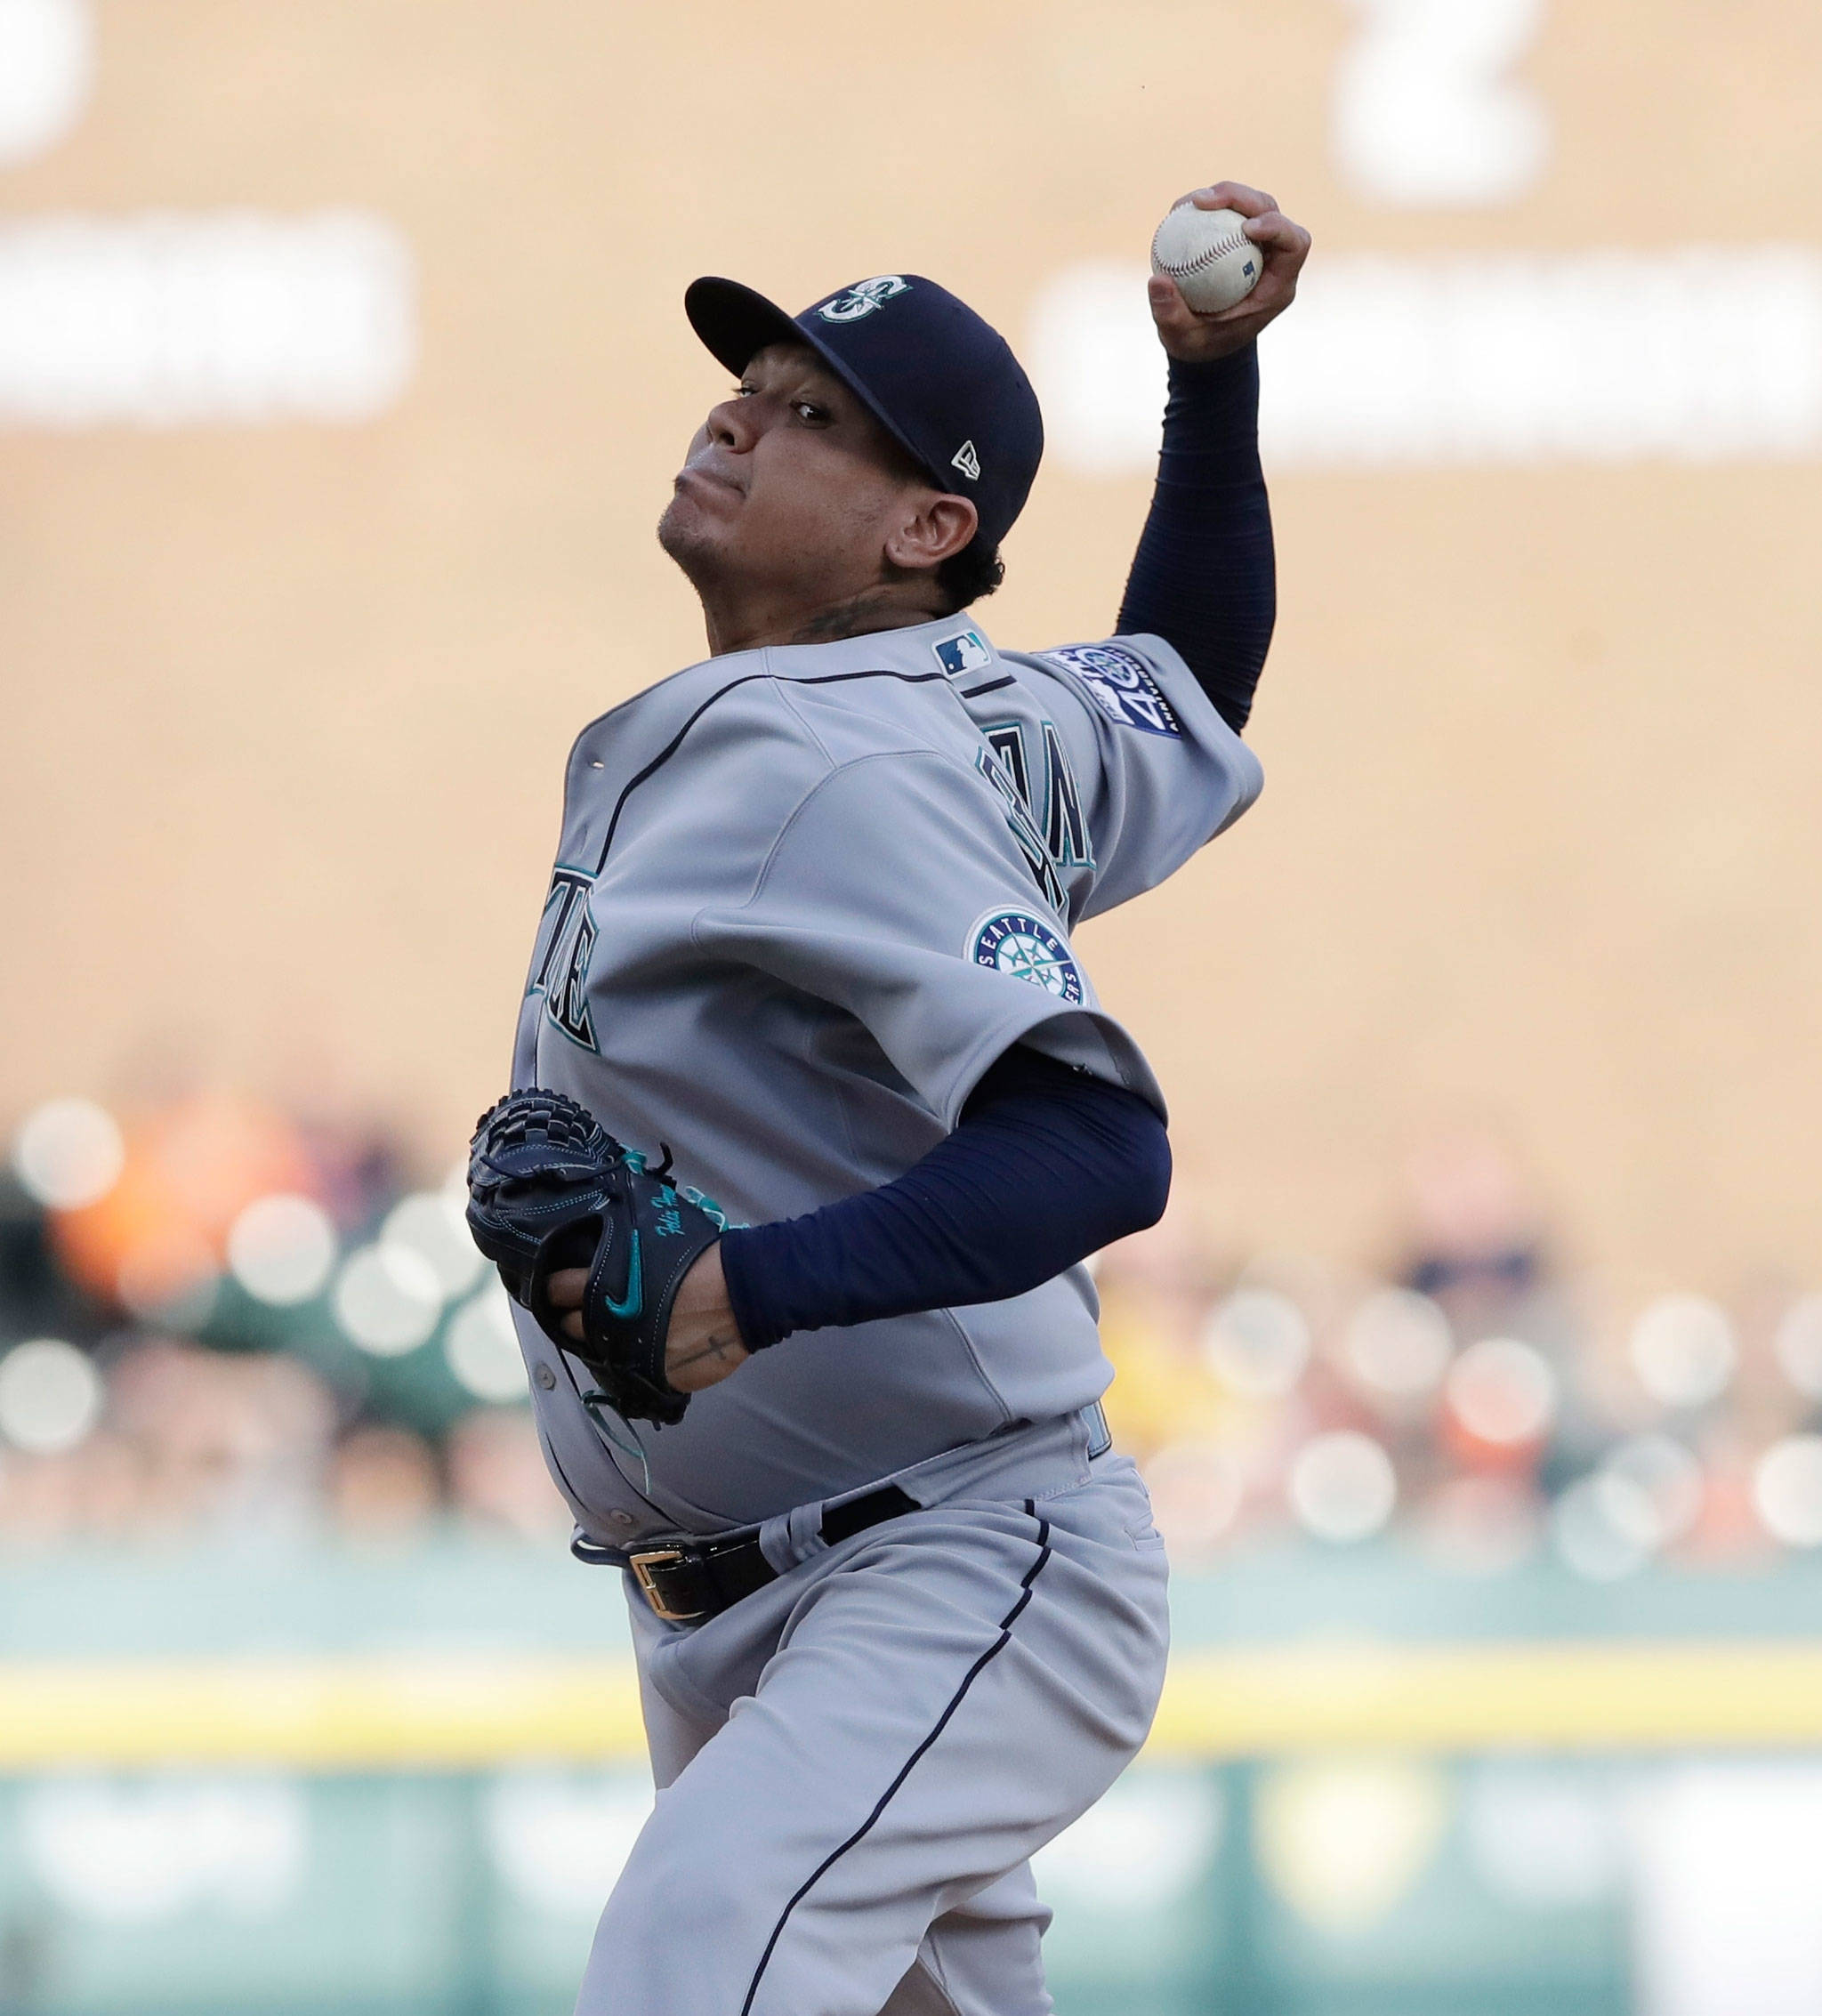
<point x="805" y="897"/>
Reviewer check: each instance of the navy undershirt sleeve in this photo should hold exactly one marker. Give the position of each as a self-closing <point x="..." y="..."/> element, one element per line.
<point x="1046" y="1166"/>
<point x="1204" y="575"/>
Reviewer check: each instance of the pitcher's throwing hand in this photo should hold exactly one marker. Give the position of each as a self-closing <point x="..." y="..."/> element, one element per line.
<point x="1202" y="339"/>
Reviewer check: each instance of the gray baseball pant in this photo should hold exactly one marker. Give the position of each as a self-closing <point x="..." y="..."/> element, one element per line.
<point x="856" y="1764"/>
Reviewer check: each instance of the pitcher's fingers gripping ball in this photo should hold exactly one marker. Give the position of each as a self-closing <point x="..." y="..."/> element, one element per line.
<point x="1225" y="264"/>
<point x="1208" y="255"/>
<point x="549" y="1188"/>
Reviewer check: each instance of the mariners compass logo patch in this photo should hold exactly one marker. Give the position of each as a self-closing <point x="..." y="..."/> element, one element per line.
<point x="1015" y="942"/>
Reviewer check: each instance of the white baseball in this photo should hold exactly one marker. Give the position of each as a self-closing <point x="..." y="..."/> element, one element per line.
<point x="1208" y="255"/>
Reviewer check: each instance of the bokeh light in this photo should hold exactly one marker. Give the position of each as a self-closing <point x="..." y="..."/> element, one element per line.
<point x="387" y="1299"/>
<point x="1257" y="1344"/>
<point x="68" y="1153"/>
<point x="1503" y="1391"/>
<point x="1797" y="1344"/>
<point x="1667" y="1478"/>
<point x="432" y="1224"/>
<point x="482" y="1347"/>
<point x="155" y="1238"/>
<point x="50" y="1395"/>
<point x="1342" y="1487"/>
<point x="1604" y="1527"/>
<point x="1787" y="1490"/>
<point x="1343" y="1840"/>
<point x="281" y="1249"/>
<point x="1398" y="1344"/>
<point x="46" y="68"/>
<point x="1684" y="1350"/>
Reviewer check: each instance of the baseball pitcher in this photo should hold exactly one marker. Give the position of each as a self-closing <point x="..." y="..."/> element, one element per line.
<point x="816" y="1117"/>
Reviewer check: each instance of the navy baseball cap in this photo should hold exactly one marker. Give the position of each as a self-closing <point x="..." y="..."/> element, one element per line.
<point x="939" y="380"/>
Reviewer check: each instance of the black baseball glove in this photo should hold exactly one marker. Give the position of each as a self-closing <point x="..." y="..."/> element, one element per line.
<point x="550" y="1188"/>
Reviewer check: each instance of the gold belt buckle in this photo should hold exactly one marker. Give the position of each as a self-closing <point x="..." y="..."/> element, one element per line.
<point x="642" y="1565"/>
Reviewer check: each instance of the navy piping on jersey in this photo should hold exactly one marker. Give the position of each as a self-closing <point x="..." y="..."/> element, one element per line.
<point x="942" y="1722"/>
<point x="747" y="679"/>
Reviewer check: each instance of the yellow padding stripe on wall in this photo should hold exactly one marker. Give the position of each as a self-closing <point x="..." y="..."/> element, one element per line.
<point x="459" y="1712"/>
<point x="1486" y="1698"/>
<point x="353" y="1714"/>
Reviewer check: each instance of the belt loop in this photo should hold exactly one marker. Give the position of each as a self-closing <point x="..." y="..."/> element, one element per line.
<point x="803" y="1528"/>
<point x="775" y="1543"/>
<point x="792" y="1536"/>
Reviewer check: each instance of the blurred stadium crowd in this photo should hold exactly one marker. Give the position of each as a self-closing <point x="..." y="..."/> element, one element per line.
<point x="217" y="1315"/>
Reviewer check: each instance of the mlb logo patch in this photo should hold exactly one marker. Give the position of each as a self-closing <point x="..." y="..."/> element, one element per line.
<point x="965" y="653"/>
<point x="1121" y="684"/>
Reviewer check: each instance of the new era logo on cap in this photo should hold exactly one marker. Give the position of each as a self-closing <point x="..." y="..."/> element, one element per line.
<point x="965" y="459"/>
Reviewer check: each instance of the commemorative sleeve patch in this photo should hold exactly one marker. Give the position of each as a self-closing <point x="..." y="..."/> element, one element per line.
<point x="1122" y="685"/>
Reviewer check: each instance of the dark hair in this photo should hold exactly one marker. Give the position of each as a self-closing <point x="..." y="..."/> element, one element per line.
<point x="966" y="576"/>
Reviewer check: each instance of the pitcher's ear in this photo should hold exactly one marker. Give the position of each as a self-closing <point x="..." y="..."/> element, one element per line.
<point x="938" y="530"/>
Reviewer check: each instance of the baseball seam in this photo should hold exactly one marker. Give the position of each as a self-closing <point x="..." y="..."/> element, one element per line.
<point x="1219" y="250"/>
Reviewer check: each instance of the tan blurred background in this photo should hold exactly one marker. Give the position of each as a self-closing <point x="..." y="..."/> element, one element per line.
<point x="342" y="374"/>
<point x="286" y="703"/>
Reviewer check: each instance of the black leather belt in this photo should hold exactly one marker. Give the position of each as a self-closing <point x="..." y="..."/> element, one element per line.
<point x="686" y="1580"/>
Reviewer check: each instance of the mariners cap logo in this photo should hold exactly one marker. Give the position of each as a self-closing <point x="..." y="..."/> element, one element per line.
<point x="967" y="461"/>
<point x="863" y="297"/>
